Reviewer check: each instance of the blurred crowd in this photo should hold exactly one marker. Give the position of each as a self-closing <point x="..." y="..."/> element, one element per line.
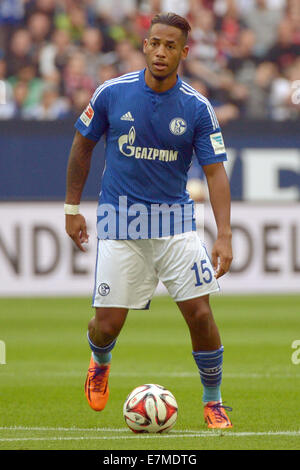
<point x="244" y="54"/>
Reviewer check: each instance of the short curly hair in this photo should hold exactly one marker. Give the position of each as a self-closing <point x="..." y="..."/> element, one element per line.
<point x="172" y="19"/>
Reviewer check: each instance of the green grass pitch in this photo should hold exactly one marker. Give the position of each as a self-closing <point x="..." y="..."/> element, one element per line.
<point x="43" y="406"/>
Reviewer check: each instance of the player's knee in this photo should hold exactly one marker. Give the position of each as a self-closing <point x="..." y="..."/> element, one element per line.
<point x="200" y="316"/>
<point x="104" y="327"/>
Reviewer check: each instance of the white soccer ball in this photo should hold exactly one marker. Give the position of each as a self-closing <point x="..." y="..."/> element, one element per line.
<point x="150" y="408"/>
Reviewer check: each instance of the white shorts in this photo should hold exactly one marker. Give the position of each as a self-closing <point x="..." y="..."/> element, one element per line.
<point x="128" y="271"/>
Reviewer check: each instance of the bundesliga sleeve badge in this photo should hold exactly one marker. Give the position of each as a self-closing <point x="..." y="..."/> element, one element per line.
<point x="87" y="115"/>
<point x="217" y="143"/>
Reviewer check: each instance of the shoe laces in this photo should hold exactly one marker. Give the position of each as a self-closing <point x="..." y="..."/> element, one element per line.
<point x="217" y="410"/>
<point x="98" y="377"/>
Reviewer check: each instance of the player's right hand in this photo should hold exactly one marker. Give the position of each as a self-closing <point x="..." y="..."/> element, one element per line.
<point x="77" y="230"/>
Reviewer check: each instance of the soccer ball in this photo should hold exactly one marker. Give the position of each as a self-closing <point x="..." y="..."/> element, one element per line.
<point x="150" y="408"/>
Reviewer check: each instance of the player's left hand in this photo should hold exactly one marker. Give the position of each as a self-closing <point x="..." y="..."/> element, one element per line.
<point x="222" y="256"/>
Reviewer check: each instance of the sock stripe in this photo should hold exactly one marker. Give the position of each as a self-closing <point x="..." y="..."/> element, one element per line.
<point x="98" y="349"/>
<point x="208" y="353"/>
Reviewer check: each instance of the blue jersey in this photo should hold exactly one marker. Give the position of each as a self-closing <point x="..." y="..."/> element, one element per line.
<point x="150" y="141"/>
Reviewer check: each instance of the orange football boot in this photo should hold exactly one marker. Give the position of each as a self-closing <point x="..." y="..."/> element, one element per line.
<point x="96" y="385"/>
<point x="215" y="415"/>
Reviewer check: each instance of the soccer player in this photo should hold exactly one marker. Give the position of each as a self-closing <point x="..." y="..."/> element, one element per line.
<point x="152" y="122"/>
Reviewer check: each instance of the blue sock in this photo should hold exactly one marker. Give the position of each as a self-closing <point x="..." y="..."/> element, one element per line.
<point x="101" y="355"/>
<point x="210" y="364"/>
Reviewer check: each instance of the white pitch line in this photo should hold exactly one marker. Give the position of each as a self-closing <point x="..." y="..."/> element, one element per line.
<point x="154" y="436"/>
<point x="124" y="429"/>
<point x="73" y="429"/>
<point x="173" y="434"/>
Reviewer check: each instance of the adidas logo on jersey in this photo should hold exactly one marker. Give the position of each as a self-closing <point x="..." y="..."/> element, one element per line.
<point x="127" y="117"/>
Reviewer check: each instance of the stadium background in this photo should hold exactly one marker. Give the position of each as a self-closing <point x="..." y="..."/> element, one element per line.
<point x="245" y="59"/>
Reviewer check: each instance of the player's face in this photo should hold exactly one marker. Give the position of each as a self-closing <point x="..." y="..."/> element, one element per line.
<point x="164" y="49"/>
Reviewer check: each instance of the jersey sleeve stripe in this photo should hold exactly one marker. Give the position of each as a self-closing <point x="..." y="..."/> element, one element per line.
<point x="191" y="91"/>
<point x="204" y="100"/>
<point x="122" y="77"/>
<point x="126" y="75"/>
<point x="128" y="78"/>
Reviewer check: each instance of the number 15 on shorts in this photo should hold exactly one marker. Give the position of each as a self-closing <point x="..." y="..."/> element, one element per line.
<point x="204" y="275"/>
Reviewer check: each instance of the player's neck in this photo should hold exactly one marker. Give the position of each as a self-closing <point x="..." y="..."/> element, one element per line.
<point x="160" y="86"/>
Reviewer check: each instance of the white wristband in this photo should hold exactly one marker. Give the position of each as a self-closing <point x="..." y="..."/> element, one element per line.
<point x="71" y="209"/>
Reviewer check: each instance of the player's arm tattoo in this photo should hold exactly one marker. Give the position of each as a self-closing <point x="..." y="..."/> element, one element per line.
<point x="78" y="167"/>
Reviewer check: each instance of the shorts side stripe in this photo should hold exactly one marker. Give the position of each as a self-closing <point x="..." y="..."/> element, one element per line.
<point x="96" y="271"/>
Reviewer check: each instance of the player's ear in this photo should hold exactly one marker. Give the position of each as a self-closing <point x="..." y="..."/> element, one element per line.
<point x="185" y="52"/>
<point x="145" y="44"/>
